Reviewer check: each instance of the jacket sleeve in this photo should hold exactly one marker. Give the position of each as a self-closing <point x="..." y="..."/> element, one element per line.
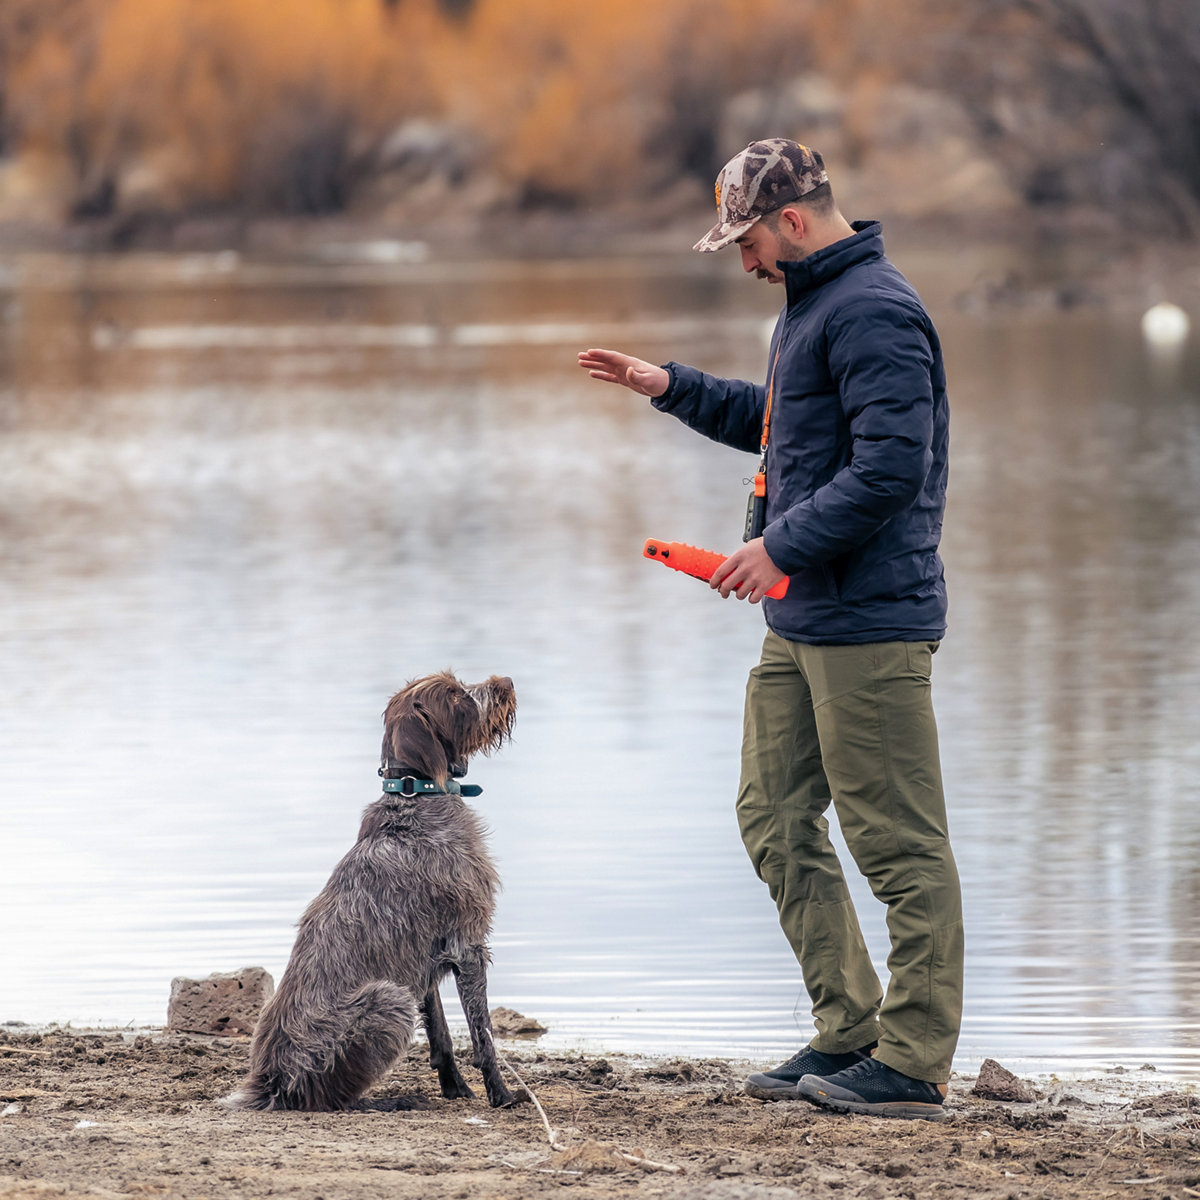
<point x="880" y="358"/>
<point x="729" y="411"/>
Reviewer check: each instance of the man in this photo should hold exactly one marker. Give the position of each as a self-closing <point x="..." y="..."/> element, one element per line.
<point x="852" y="430"/>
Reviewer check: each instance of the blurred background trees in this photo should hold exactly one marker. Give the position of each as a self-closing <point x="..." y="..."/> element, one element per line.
<point x="403" y="109"/>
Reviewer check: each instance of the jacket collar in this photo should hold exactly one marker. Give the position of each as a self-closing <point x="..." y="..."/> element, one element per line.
<point x="802" y="277"/>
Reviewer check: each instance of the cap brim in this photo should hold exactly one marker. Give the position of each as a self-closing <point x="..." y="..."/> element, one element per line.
<point x="724" y="234"/>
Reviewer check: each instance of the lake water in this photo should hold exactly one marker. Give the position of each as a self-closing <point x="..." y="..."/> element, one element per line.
<point x="242" y="502"/>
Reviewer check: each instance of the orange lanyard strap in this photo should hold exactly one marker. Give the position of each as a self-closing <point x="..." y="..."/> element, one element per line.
<point x="760" y="479"/>
<point x="766" y="433"/>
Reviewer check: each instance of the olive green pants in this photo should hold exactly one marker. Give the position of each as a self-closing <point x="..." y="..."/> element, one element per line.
<point x="855" y="725"/>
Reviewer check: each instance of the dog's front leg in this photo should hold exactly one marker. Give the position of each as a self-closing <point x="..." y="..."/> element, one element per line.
<point x="441" y="1048"/>
<point x="470" y="973"/>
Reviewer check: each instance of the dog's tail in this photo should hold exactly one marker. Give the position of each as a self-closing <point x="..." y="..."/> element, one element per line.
<point x="324" y="1061"/>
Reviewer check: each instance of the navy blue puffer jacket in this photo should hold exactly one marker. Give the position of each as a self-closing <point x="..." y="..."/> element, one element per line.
<point x="856" y="466"/>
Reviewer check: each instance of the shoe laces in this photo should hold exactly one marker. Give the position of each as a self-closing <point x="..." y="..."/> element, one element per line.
<point x="795" y="1059"/>
<point x="868" y="1066"/>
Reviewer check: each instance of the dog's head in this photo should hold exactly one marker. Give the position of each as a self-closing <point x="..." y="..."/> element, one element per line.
<point x="433" y="725"/>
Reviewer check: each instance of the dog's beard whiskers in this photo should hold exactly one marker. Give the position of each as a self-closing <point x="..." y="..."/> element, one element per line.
<point x="497" y="713"/>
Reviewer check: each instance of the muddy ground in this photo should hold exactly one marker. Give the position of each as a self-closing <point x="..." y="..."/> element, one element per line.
<point x="119" y="1114"/>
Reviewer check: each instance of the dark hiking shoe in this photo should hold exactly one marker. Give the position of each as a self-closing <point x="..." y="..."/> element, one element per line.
<point x="873" y="1088"/>
<point x="780" y="1083"/>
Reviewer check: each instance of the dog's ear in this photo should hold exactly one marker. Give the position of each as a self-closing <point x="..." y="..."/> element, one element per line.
<point x="413" y="744"/>
<point x="410" y="736"/>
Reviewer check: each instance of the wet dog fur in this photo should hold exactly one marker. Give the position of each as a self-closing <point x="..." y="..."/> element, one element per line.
<point x="411" y="902"/>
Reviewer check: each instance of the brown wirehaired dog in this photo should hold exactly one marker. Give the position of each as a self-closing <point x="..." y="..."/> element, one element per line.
<point x="411" y="902"/>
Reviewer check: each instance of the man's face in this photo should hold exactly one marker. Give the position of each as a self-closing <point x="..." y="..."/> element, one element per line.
<point x="762" y="247"/>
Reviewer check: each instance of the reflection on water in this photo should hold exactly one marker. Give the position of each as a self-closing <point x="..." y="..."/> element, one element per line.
<point x="242" y="503"/>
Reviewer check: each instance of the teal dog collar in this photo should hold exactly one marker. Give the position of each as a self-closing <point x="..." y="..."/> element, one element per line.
<point x="410" y="785"/>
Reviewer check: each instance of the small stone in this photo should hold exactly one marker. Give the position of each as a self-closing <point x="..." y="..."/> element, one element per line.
<point x="508" y="1023"/>
<point x="227" y="1002"/>
<point x="999" y="1083"/>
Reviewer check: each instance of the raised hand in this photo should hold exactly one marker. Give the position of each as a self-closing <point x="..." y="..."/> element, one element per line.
<point x="613" y="367"/>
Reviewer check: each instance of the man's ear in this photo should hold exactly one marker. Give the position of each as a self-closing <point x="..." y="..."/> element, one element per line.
<point x="792" y="223"/>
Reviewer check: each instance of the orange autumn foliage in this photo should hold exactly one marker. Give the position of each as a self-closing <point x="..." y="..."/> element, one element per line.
<point x="309" y="105"/>
<point x="271" y="105"/>
<point x="578" y="97"/>
<point x="210" y="95"/>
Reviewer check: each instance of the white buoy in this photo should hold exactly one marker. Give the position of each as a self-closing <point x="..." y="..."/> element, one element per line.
<point x="1165" y="326"/>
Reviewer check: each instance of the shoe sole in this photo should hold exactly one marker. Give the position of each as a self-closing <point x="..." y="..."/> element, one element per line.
<point x="762" y="1088"/>
<point x="906" y="1110"/>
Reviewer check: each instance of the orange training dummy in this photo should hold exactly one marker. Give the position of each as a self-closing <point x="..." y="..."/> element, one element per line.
<point x="694" y="561"/>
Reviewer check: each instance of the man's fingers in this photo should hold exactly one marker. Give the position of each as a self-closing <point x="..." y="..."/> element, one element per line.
<point x="611" y="367"/>
<point x="603" y="358"/>
<point x="736" y="576"/>
<point x="718" y="576"/>
<point x="726" y="579"/>
<point x="606" y="365"/>
<point x="744" y="586"/>
<point x="596" y="364"/>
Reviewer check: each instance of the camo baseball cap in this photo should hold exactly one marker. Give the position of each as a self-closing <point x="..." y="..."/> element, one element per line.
<point x="764" y="177"/>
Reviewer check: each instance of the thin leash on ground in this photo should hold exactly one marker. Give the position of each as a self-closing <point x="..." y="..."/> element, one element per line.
<point x="634" y="1160"/>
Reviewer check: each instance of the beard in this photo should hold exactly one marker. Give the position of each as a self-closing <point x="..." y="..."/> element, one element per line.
<point x="787" y="251"/>
<point x="790" y="251"/>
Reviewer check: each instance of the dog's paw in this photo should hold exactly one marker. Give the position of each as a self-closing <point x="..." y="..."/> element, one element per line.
<point x="511" y="1099"/>
<point x="457" y="1091"/>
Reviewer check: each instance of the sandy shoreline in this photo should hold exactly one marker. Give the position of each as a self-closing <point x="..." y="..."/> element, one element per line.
<point x="133" y="1112"/>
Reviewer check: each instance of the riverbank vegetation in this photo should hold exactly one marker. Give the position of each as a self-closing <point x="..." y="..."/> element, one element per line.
<point x="136" y="110"/>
